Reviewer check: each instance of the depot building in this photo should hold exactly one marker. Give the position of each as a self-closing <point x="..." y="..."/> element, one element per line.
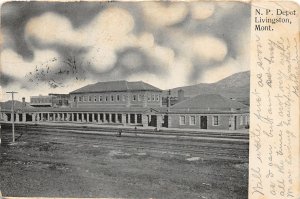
<point x="136" y="104"/>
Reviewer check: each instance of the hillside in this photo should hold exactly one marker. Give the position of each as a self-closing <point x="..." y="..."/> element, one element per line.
<point x="236" y="86"/>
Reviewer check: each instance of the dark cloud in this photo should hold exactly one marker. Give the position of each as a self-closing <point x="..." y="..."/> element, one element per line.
<point x="15" y="15"/>
<point x="122" y="70"/>
<point x="6" y="79"/>
<point x="145" y="63"/>
<point x="224" y="24"/>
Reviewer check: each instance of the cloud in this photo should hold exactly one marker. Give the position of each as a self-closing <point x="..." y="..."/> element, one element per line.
<point x="111" y="31"/>
<point x="104" y="35"/>
<point x="177" y="74"/>
<point x="204" y="47"/>
<point x="159" y="14"/>
<point x="163" y="43"/>
<point x="14" y="65"/>
<point x="132" y="60"/>
<point x="201" y="10"/>
<point x="52" y="28"/>
<point x="5" y="39"/>
<point x="223" y="70"/>
<point x="163" y="55"/>
<point x="110" y="26"/>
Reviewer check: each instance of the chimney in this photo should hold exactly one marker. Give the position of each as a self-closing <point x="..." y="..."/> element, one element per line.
<point x="23" y="102"/>
<point x="180" y="95"/>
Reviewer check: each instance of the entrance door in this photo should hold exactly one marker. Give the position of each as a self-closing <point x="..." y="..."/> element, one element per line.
<point x="165" y="124"/>
<point x="203" y="122"/>
<point x="235" y="120"/>
<point x="153" y="121"/>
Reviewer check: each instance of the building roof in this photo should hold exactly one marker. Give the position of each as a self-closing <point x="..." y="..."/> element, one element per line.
<point x="116" y="86"/>
<point x="208" y="103"/>
<point x="6" y="106"/>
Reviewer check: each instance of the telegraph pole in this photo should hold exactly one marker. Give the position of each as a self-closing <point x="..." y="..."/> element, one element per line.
<point x="169" y="100"/>
<point x="13" y="114"/>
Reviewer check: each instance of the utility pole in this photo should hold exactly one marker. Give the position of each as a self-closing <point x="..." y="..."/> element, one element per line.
<point x="13" y="114"/>
<point x="169" y="100"/>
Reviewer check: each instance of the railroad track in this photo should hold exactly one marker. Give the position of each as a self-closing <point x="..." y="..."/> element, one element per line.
<point x="215" y="150"/>
<point x="240" y="136"/>
<point x="170" y="148"/>
<point x="137" y="139"/>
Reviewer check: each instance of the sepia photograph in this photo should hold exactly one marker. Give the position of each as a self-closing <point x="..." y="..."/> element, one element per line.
<point x="125" y="99"/>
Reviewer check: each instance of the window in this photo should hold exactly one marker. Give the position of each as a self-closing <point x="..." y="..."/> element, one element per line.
<point x="118" y="97"/>
<point x="149" y="97"/>
<point x="84" y="98"/>
<point x="241" y="120"/>
<point x="95" y="98"/>
<point x="134" y="97"/>
<point x="153" y="97"/>
<point x="247" y="119"/>
<point x="106" y="98"/>
<point x="157" y="97"/>
<point x="90" y="98"/>
<point x="80" y="98"/>
<point x="192" y="120"/>
<point x="215" y="120"/>
<point x="182" y="120"/>
<point x="112" y="98"/>
<point x="100" y="98"/>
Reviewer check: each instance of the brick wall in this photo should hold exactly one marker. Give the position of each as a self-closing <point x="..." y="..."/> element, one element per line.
<point x="137" y="99"/>
<point x="223" y="121"/>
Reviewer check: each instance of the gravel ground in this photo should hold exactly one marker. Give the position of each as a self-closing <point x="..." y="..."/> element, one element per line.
<point x="49" y="169"/>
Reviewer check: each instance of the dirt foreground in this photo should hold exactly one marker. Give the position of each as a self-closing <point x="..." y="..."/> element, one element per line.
<point x="50" y="169"/>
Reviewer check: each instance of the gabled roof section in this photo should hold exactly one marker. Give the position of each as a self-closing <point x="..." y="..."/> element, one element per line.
<point x="17" y="105"/>
<point x="209" y="101"/>
<point x="115" y="86"/>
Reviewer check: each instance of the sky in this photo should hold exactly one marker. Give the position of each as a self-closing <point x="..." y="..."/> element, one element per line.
<point x="57" y="47"/>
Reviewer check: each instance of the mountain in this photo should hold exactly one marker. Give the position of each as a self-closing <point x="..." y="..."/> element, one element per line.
<point x="236" y="86"/>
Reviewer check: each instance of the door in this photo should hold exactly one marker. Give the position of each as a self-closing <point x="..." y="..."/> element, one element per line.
<point x="153" y="121"/>
<point x="165" y="124"/>
<point x="203" y="122"/>
<point x="235" y="120"/>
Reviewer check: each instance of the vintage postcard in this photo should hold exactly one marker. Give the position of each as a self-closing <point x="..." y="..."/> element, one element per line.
<point x="149" y="99"/>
